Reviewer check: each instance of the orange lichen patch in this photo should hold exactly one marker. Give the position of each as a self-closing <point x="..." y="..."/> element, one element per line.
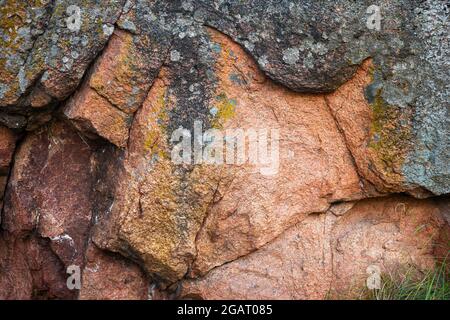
<point x="119" y="73"/>
<point x="165" y="203"/>
<point x="180" y="218"/>
<point x="390" y="140"/>
<point x="373" y="133"/>
<point x="156" y="138"/>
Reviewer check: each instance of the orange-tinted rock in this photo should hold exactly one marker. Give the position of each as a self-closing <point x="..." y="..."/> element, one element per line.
<point x="315" y="165"/>
<point x="328" y="254"/>
<point x="148" y="219"/>
<point x="108" y="276"/>
<point x="95" y="115"/>
<point x="295" y="266"/>
<point x="48" y="210"/>
<point x="388" y="232"/>
<point x="122" y="74"/>
<point x="159" y="211"/>
<point x="115" y="88"/>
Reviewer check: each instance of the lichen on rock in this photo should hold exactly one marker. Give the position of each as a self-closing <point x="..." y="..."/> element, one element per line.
<point x="120" y="120"/>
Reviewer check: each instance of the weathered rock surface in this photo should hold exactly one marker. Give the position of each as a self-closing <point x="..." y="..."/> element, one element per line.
<point x="306" y="46"/>
<point x="115" y="88"/>
<point x="49" y="44"/>
<point x="93" y="114"/>
<point x="50" y="190"/>
<point x="7" y="147"/>
<point x="238" y="209"/>
<point x="255" y="208"/>
<point x="47" y="218"/>
<point x="47" y="208"/>
<point x="29" y="269"/>
<point x="110" y="277"/>
<point x="328" y="254"/>
<point x="97" y="95"/>
<point x="163" y="202"/>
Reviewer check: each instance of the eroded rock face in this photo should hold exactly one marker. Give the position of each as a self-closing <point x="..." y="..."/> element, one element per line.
<point x="328" y="254"/>
<point x="189" y="219"/>
<point x="111" y="277"/>
<point x="51" y="44"/>
<point x="159" y="214"/>
<point x="255" y="208"/>
<point x="101" y="98"/>
<point x="51" y="168"/>
<point x="115" y="88"/>
<point x="47" y="219"/>
<point x="30" y="269"/>
<point x="7" y="147"/>
<point x="47" y="210"/>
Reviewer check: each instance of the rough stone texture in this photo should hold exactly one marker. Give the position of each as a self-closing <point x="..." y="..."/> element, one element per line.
<point x="254" y="208"/>
<point x="307" y="46"/>
<point x="93" y="114"/>
<point x="7" y="147"/>
<point x="30" y="270"/>
<point x="47" y="218"/>
<point x="328" y="254"/>
<point x="123" y="73"/>
<point x="160" y="202"/>
<point x="110" y="277"/>
<point x="322" y="54"/>
<point x="361" y="113"/>
<point x="51" y="168"/>
<point x="47" y="210"/>
<point x="148" y="220"/>
<point x="355" y="118"/>
<point x="51" y="49"/>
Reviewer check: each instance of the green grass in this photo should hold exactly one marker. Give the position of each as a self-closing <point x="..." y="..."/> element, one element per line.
<point x="413" y="285"/>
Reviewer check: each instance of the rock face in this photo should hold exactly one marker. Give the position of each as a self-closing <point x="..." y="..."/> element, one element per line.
<point x="328" y="254"/>
<point x="47" y="216"/>
<point x="7" y="146"/>
<point x="110" y="277"/>
<point x="224" y="148"/>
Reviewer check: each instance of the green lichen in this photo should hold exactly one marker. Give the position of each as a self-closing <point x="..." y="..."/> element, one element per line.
<point x="154" y="143"/>
<point x="390" y="134"/>
<point x="225" y="110"/>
